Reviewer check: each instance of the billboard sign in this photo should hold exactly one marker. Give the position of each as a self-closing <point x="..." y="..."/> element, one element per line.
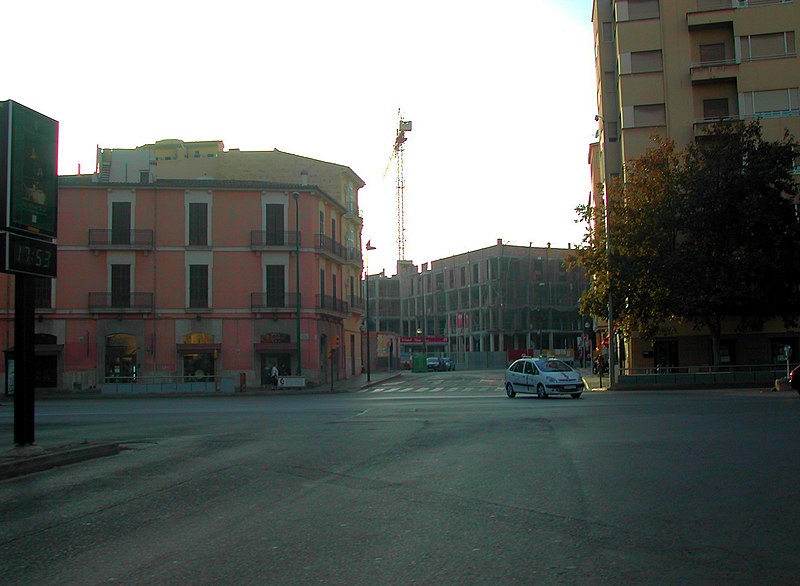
<point x="28" y="171"/>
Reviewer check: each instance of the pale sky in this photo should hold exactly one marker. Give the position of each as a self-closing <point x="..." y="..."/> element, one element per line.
<point x="501" y="95"/>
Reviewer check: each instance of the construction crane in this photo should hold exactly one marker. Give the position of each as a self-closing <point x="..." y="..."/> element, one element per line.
<point x="403" y="126"/>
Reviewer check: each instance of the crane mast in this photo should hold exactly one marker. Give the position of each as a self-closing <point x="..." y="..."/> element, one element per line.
<point x="403" y="126"/>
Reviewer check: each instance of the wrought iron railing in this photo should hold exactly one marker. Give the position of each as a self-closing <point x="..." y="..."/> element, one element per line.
<point x="260" y="239"/>
<point x="118" y="301"/>
<point x="329" y="245"/>
<point x="130" y="239"/>
<point x="262" y="301"/>
<point x="332" y="303"/>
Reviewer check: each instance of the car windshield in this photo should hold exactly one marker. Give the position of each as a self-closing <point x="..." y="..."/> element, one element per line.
<point x="553" y="366"/>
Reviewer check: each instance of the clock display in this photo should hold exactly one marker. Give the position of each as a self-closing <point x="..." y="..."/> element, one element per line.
<point x="29" y="256"/>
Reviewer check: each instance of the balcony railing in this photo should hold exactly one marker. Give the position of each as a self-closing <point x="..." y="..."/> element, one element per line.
<point x="326" y="302"/>
<point x="357" y="304"/>
<point x="714" y="70"/>
<point x="100" y="239"/>
<point x="272" y="301"/>
<point x="134" y="302"/>
<point x="327" y="244"/>
<point x="261" y="239"/>
<point x="354" y="255"/>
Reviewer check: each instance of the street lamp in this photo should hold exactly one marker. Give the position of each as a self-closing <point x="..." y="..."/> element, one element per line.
<point x="296" y="197"/>
<point x="366" y="279"/>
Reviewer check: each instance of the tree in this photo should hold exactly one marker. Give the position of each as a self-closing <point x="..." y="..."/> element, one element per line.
<point x="699" y="236"/>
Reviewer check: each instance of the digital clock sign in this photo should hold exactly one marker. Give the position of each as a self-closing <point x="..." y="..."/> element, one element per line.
<point x="28" y="256"/>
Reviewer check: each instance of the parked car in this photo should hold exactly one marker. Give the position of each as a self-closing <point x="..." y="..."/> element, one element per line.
<point x="434" y="363"/>
<point x="794" y="379"/>
<point x="448" y="364"/>
<point x="543" y="376"/>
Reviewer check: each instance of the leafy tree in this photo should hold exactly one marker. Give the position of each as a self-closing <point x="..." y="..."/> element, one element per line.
<point x="698" y="236"/>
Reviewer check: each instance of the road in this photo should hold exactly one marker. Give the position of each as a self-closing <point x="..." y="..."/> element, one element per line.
<point x="432" y="479"/>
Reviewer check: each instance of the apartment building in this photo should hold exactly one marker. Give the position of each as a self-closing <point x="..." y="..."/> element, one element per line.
<point x="672" y="68"/>
<point x="199" y="279"/>
<point x="494" y="300"/>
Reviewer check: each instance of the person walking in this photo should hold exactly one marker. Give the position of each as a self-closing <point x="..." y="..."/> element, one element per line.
<point x="273" y="375"/>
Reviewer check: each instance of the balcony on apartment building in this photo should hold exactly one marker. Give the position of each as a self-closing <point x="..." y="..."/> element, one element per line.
<point x="269" y="239"/>
<point x="104" y="302"/>
<point x="100" y="239"/>
<point x="715" y="12"/>
<point x="711" y="71"/>
<point x="332" y="305"/>
<point x="330" y="247"/>
<point x="273" y="301"/>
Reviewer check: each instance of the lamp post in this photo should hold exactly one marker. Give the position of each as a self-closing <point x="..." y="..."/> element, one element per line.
<point x="611" y="355"/>
<point x="296" y="197"/>
<point x="366" y="282"/>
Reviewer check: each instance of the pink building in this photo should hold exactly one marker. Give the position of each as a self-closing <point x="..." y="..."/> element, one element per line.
<point x="198" y="280"/>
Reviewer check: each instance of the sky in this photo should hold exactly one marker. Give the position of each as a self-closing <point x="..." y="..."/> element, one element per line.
<point x="501" y="96"/>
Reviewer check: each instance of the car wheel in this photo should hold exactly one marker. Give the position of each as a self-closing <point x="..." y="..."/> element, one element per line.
<point x="576" y="395"/>
<point x="540" y="391"/>
<point x="510" y="391"/>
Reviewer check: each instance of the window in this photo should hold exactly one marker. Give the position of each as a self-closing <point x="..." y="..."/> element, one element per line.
<point x="770" y="101"/>
<point x="646" y="61"/>
<point x="322" y="223"/>
<point x="120" y="285"/>
<point x="645" y="115"/>
<point x="198" y="224"/>
<point x="608" y="32"/>
<point x="715" y="108"/>
<point x="275" y="285"/>
<point x="351" y="198"/>
<point x="42" y="292"/>
<point x="144" y="176"/>
<point x="121" y="222"/>
<point x="612" y="133"/>
<point x="636" y="9"/>
<point x="770" y="45"/>
<point x="273" y="222"/>
<point x="333" y="229"/>
<point x="610" y="82"/>
<point x="322" y="282"/>
<point x="712" y="53"/>
<point x="198" y="286"/>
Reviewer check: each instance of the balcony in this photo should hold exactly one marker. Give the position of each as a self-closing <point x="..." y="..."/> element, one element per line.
<point x="711" y="71"/>
<point x="354" y="255"/>
<point x="357" y="304"/>
<point x="269" y="239"/>
<point x="262" y="302"/>
<point x="120" y="239"/>
<point x="328" y="304"/>
<point x="121" y="302"/>
<point x="330" y="247"/>
<point x="711" y="13"/>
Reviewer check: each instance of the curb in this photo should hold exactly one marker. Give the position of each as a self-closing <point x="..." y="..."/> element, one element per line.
<point x="29" y="459"/>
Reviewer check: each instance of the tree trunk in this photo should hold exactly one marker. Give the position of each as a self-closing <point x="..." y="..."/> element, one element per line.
<point x="715" y="328"/>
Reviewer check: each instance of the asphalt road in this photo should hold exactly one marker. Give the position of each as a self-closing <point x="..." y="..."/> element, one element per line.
<point x="436" y="479"/>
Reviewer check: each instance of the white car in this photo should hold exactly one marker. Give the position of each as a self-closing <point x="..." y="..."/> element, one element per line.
<point x="543" y="376"/>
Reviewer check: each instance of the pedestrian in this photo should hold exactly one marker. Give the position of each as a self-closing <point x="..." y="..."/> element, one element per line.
<point x="273" y="375"/>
